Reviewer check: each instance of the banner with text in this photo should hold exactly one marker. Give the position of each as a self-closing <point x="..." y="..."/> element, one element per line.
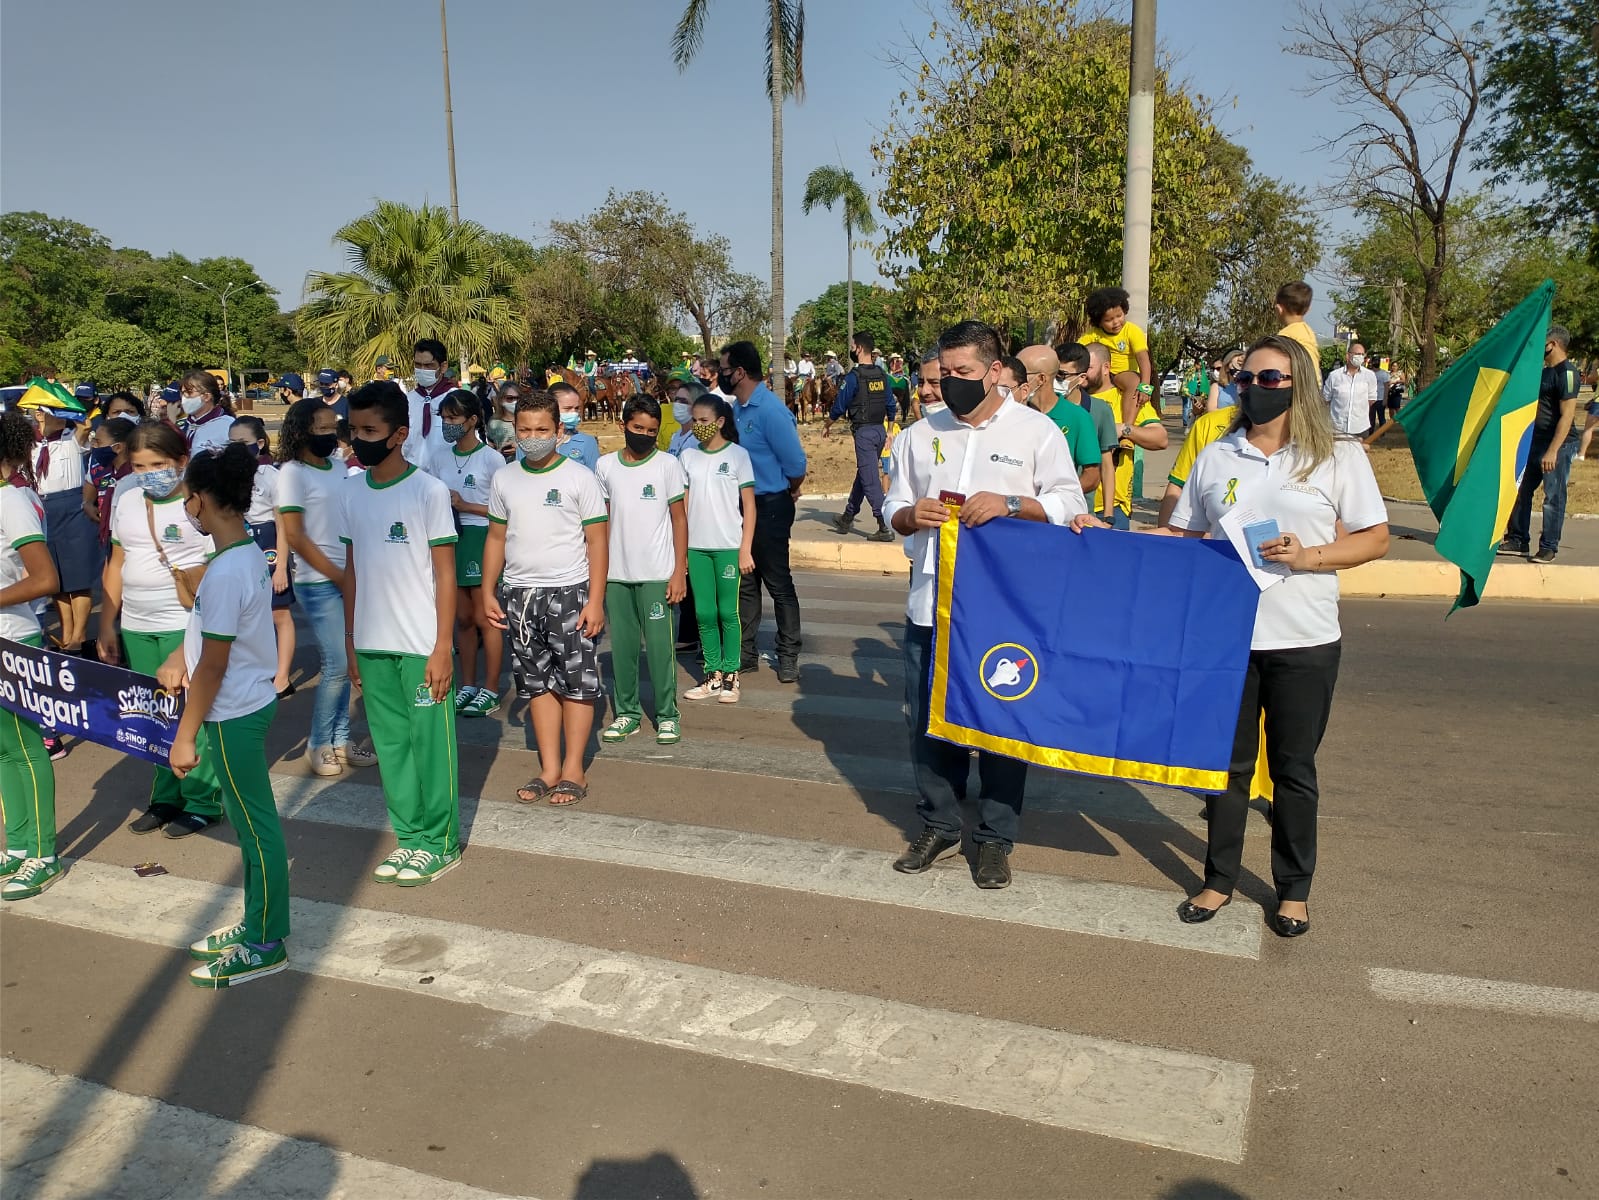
<point x="107" y="705"/>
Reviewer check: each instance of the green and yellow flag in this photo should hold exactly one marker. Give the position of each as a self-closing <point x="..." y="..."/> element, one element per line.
<point x="1469" y="433"/>
<point x="42" y="393"/>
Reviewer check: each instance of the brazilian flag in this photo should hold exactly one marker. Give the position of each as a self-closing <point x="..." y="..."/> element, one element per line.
<point x="1469" y="434"/>
<point x="41" y="393"/>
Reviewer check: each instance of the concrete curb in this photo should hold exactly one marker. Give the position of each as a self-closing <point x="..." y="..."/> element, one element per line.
<point x="1396" y="578"/>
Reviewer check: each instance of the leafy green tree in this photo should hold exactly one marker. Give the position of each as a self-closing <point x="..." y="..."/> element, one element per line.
<point x="110" y="354"/>
<point x="1005" y="164"/>
<point x="51" y="275"/>
<point x="785" y="77"/>
<point x="412" y="274"/>
<point x="1541" y="91"/>
<point x="827" y="186"/>
<point x="879" y="311"/>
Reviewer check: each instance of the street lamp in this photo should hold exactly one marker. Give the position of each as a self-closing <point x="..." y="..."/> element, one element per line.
<point x="227" y="335"/>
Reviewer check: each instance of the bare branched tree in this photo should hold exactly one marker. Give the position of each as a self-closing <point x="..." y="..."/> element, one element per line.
<point x="1408" y="73"/>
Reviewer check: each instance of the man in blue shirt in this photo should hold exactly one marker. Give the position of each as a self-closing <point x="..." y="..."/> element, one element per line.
<point x="767" y="430"/>
<point x="868" y="397"/>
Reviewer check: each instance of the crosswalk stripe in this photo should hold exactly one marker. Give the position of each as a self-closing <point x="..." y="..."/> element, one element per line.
<point x="1158" y="1097"/>
<point x="65" y="1138"/>
<point x="718" y="749"/>
<point x="1489" y="995"/>
<point x="1045" y="901"/>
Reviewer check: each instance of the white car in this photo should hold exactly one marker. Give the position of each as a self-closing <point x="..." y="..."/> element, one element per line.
<point x="1170" y="385"/>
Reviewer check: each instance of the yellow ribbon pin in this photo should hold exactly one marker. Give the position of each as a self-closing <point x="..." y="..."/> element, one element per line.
<point x="1232" y="492"/>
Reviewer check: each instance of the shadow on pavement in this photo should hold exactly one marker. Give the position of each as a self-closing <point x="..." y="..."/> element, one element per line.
<point x="658" y="1177"/>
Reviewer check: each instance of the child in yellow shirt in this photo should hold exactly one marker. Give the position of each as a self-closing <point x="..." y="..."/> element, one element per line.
<point x="1130" y="367"/>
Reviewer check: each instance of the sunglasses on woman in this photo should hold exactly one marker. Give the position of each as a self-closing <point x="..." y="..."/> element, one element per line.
<point x="1269" y="378"/>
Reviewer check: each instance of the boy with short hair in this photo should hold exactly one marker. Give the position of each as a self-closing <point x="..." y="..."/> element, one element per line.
<point x="399" y="611"/>
<point x="547" y="534"/>
<point x="1293" y="302"/>
<point x="648" y="567"/>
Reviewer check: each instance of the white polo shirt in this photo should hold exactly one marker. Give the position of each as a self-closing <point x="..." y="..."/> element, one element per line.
<point x="1016" y="452"/>
<point x="641" y="495"/>
<point x="391" y="529"/>
<point x="314" y="493"/>
<point x="1302" y="610"/>
<point x="150" y="601"/>
<point x="716" y="485"/>
<point x="1350" y="397"/>
<point x="263" y="496"/>
<point x="544" y="511"/>
<point x="234" y="605"/>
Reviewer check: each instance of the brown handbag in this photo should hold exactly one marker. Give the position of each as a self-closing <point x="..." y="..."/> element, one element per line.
<point x="187" y="588"/>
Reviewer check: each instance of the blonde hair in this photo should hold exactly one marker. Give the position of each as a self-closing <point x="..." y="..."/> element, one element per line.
<point x="1310" y="429"/>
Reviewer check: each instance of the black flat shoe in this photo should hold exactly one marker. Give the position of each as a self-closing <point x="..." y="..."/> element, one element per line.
<point x="148" y="821"/>
<point x="1190" y="913"/>
<point x="186" y="823"/>
<point x="993" y="867"/>
<point x="287" y="690"/>
<point x="1290" y="926"/>
<point x="924" y="851"/>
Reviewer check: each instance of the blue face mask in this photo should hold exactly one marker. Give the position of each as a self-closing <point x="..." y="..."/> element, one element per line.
<point x="569" y="421"/>
<point x="158" y="484"/>
<point x="103" y="456"/>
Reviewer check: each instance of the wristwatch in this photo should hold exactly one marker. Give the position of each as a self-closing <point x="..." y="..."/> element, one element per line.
<point x="1013" y="506"/>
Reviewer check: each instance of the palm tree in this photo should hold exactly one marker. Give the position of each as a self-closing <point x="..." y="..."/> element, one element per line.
<point x="412" y="274"/>
<point x="785" y="76"/>
<point x="828" y="186"/>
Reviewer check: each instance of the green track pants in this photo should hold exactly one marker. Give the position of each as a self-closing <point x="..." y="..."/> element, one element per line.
<point x="414" y="737"/>
<point x="27" y="785"/>
<point x="714" y="577"/>
<point x="198" y="791"/>
<point x="237" y="748"/>
<point x="637" y="611"/>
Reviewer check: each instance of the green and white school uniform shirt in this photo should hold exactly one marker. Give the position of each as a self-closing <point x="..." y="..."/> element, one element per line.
<point x="391" y="529"/>
<point x="21" y="522"/>
<point x="641" y="495"/>
<point x="234" y="605"/>
<point x="468" y="475"/>
<point x="544" y="511"/>
<point x="150" y="601"/>
<point x="314" y="493"/>
<point x="716" y="483"/>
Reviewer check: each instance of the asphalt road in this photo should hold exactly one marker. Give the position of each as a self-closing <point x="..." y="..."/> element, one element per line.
<point x="705" y="981"/>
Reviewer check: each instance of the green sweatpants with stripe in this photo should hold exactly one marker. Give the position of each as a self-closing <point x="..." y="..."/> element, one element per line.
<point x="414" y="737"/>
<point x="27" y="785"/>
<point x="638" y="611"/>
<point x="198" y="791"/>
<point x="714" y="578"/>
<point x="237" y="749"/>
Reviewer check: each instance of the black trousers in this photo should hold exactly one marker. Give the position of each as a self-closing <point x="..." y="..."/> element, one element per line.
<point x="1295" y="689"/>
<point x="774" y="522"/>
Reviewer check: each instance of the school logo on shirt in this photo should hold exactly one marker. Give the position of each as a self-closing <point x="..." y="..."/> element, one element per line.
<point x="552" y="498"/>
<point x="469" y="481"/>
<point x="424" y="697"/>
<point x="649" y="491"/>
<point x="725" y="469"/>
<point x="657" y="612"/>
<point x="171" y="534"/>
<point x="272" y="558"/>
<point x="397" y="533"/>
<point x="1009" y="671"/>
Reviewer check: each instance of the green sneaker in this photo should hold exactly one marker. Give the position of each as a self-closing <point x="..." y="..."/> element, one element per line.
<point x="667" y="733"/>
<point x="464" y="696"/>
<point x="217" y="943"/>
<point x="10" y="864"/>
<point x="31" y="878"/>
<point x="391" y="866"/>
<point x="484" y="703"/>
<point x="425" y="867"/>
<point x="238" y="964"/>
<point x="620" y="729"/>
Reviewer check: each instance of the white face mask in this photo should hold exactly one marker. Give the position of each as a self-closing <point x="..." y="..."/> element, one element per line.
<point x="1357" y="360"/>
<point x="426" y="378"/>
<point x="681" y="412"/>
<point x="191" y="404"/>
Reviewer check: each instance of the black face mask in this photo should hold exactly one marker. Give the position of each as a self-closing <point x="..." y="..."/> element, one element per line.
<point x="638" y="444"/>
<point x="322" y="444"/>
<point x="1262" y="405"/>
<point x="963" y="396"/>
<point x="370" y="454"/>
<point x="724" y="382"/>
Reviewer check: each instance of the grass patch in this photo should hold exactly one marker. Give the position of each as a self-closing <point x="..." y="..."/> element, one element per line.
<point x="1396" y="474"/>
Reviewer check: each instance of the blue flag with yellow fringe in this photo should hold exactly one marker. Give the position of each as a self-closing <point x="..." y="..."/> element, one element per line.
<point x="1105" y="653"/>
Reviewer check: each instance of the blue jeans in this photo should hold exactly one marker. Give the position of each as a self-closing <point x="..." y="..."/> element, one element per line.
<point x="1519" y="532"/>
<point x="323" y="605"/>
<point x="942" y="768"/>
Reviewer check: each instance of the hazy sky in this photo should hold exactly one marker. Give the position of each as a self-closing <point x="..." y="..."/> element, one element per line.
<point x="212" y="127"/>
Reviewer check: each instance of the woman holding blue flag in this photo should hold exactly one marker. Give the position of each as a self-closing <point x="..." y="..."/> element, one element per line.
<point x="1315" y="503"/>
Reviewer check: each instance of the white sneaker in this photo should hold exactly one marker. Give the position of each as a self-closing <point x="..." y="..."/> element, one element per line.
<point x="352" y="755"/>
<point x="709" y="690"/>
<point x="729" y="689"/>
<point x="324" y="761"/>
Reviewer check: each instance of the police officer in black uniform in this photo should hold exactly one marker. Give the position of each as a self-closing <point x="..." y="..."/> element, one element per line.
<point x="865" y="397"/>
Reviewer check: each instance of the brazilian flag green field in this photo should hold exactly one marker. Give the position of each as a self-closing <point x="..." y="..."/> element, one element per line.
<point x="1469" y="435"/>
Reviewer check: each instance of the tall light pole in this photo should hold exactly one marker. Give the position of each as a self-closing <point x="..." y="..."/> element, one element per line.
<point x="1137" y="218"/>
<point x="449" y="114"/>
<point x="227" y="335"/>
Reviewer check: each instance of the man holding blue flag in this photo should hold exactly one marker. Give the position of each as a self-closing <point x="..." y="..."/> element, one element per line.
<point x="980" y="458"/>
